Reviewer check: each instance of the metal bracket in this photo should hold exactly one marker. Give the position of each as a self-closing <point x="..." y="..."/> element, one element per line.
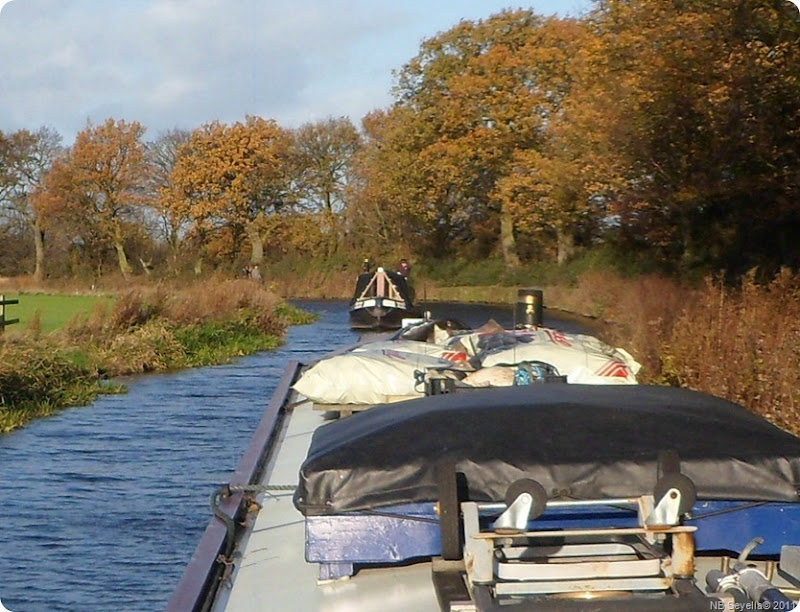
<point x="667" y="510"/>
<point x="515" y="517"/>
<point x="513" y="561"/>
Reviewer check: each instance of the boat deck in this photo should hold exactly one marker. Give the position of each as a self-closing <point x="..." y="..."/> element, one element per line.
<point x="270" y="569"/>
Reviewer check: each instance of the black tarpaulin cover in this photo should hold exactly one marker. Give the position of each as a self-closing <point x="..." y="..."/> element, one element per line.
<point x="579" y="441"/>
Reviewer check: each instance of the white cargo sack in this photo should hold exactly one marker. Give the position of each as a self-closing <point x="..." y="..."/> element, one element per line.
<point x="374" y="376"/>
<point x="582" y="359"/>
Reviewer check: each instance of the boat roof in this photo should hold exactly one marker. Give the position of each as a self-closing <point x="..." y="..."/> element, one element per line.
<point x="578" y="441"/>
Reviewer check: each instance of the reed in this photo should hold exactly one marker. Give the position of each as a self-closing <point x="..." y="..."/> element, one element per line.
<point x="744" y="345"/>
<point x="741" y="343"/>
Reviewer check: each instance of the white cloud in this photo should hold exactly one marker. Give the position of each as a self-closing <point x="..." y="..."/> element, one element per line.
<point x="182" y="63"/>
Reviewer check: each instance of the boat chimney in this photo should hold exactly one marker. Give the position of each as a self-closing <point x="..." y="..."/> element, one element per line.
<point x="530" y="303"/>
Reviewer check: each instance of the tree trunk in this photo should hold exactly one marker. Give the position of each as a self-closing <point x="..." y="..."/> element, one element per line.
<point x="507" y="241"/>
<point x="119" y="245"/>
<point x="174" y="247"/>
<point x="689" y="255"/>
<point x="333" y="225"/>
<point x="566" y="244"/>
<point x="147" y="266"/>
<point x="256" y="245"/>
<point x="38" y="241"/>
<point x="124" y="266"/>
<point x="173" y="260"/>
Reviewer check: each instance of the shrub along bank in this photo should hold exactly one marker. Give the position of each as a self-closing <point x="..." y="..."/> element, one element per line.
<point x="146" y="329"/>
<point x="739" y="342"/>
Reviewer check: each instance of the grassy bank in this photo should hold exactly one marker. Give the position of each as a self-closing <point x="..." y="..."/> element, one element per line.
<point x="44" y="313"/>
<point x="146" y="329"/>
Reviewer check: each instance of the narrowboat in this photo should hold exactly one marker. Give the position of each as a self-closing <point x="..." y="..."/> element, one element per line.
<point x="381" y="301"/>
<point x="548" y="495"/>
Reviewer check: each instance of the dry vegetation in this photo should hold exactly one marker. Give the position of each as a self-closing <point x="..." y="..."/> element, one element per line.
<point x="740" y="343"/>
<point x="162" y="327"/>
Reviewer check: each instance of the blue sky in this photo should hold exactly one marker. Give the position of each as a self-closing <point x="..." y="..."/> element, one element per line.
<point x="181" y="63"/>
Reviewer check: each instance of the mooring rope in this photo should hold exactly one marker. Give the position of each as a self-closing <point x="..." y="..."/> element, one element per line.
<point x="225" y="491"/>
<point x="258" y="488"/>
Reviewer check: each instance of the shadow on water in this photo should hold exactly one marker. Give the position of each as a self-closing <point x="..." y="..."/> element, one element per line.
<point x="104" y="504"/>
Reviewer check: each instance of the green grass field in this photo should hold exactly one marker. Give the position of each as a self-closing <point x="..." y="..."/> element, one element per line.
<point x="54" y="310"/>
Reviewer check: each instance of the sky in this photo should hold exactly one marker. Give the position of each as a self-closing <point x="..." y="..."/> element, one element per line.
<point x="181" y="63"/>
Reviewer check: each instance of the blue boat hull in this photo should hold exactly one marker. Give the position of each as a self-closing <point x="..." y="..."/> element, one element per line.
<point x="411" y="531"/>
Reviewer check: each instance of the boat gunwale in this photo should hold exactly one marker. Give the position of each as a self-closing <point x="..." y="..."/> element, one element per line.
<point x="196" y="586"/>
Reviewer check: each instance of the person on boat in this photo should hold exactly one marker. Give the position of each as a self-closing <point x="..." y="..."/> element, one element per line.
<point x="366" y="265"/>
<point x="405" y="268"/>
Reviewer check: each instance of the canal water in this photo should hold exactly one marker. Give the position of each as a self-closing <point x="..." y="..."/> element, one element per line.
<point x="103" y="505"/>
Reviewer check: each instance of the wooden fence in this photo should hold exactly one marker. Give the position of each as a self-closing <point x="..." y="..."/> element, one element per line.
<point x="3" y="321"/>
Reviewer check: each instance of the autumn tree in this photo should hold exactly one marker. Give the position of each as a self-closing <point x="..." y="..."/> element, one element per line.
<point x="705" y="123"/>
<point x="386" y="206"/>
<point x="323" y="152"/>
<point x="25" y="159"/>
<point x="473" y="101"/>
<point x="98" y="186"/>
<point x="227" y="179"/>
<point x="545" y="191"/>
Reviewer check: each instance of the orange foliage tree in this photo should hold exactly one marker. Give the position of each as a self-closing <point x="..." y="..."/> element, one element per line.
<point x="699" y="103"/>
<point x="95" y="192"/>
<point x="386" y="205"/>
<point x="227" y="180"/>
<point x="471" y="107"/>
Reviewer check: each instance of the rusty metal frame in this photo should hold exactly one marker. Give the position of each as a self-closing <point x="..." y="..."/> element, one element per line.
<point x="498" y="559"/>
<point x="581" y="561"/>
<point x="201" y="577"/>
